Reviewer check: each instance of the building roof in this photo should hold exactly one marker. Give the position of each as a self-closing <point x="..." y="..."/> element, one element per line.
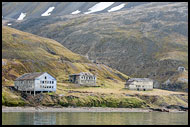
<point x="139" y="79"/>
<point x="28" y="76"/>
<point x="84" y="73"/>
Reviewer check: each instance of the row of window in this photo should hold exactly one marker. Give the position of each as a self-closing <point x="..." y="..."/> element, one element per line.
<point x="42" y="86"/>
<point x="46" y="82"/>
<point x="88" y="77"/>
<point x="143" y="86"/>
<point x="29" y="81"/>
<point x="25" y="86"/>
<point x="87" y="81"/>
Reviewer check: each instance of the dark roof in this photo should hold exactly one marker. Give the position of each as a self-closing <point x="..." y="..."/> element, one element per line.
<point x="139" y="79"/>
<point x="28" y="76"/>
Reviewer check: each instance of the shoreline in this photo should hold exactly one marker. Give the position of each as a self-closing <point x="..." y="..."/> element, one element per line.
<point x="78" y="109"/>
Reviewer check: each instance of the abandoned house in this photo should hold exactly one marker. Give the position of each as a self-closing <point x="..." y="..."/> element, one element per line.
<point x="181" y="69"/>
<point x="35" y="82"/>
<point x="139" y="84"/>
<point x="83" y="78"/>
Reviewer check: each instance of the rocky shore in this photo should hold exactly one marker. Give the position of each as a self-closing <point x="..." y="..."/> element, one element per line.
<point x="82" y="109"/>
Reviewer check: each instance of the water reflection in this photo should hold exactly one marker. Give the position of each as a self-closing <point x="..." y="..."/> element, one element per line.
<point x="87" y="118"/>
<point x="44" y="118"/>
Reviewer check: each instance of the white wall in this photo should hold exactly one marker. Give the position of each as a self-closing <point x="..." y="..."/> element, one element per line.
<point x="141" y="85"/>
<point x="39" y="83"/>
<point x="86" y="81"/>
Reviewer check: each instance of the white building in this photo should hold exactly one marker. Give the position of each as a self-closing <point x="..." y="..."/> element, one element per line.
<point x="181" y="69"/>
<point x="36" y="82"/>
<point x="83" y="78"/>
<point x="139" y="84"/>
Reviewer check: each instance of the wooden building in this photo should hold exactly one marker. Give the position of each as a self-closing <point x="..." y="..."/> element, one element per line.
<point x="83" y="78"/>
<point x="139" y="84"/>
<point x="36" y="82"/>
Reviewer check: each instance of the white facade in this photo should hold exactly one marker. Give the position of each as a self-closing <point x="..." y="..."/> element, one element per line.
<point x="45" y="82"/>
<point x="83" y="78"/>
<point x="139" y="84"/>
<point x="36" y="82"/>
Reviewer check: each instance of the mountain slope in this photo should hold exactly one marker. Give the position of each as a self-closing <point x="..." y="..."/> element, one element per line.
<point x="23" y="53"/>
<point x="13" y="10"/>
<point x="148" y="40"/>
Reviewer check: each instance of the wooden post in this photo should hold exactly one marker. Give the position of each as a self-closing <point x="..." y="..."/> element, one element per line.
<point x="34" y="92"/>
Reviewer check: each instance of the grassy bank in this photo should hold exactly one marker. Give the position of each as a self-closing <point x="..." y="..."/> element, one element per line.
<point x="96" y="97"/>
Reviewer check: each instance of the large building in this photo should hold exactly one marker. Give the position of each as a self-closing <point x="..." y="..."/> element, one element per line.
<point x="139" y="84"/>
<point x="83" y="78"/>
<point x="36" y="82"/>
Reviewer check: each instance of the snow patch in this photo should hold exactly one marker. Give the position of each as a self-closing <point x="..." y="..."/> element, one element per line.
<point x="48" y="12"/>
<point x="9" y="24"/>
<point x="116" y="8"/>
<point x="75" y="12"/>
<point x="21" y="17"/>
<point x="99" y="7"/>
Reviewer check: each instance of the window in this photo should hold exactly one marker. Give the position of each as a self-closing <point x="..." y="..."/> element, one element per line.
<point x="45" y="77"/>
<point x="52" y="82"/>
<point x="49" y="82"/>
<point x="43" y="82"/>
<point x="52" y="86"/>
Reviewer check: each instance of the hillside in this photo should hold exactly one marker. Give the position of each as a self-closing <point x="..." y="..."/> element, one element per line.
<point x="24" y="52"/>
<point x="144" y="40"/>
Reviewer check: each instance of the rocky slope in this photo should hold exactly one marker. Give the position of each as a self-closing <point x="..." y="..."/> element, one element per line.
<point x="13" y="10"/>
<point x="145" y="40"/>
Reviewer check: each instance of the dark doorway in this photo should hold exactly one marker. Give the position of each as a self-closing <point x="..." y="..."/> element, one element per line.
<point x="138" y="89"/>
<point x="144" y="89"/>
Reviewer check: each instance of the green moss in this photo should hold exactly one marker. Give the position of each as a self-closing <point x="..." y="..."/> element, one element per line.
<point x="98" y="101"/>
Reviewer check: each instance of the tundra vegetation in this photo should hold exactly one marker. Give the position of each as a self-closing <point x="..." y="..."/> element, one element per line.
<point x="23" y="53"/>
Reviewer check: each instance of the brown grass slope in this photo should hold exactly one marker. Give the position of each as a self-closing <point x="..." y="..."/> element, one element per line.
<point x="24" y="52"/>
<point x="149" y="40"/>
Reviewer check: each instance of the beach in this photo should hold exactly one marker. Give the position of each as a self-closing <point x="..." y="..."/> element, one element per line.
<point x="77" y="109"/>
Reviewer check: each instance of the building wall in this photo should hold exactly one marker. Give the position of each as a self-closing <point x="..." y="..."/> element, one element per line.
<point x="87" y="80"/>
<point x="39" y="84"/>
<point x="74" y="78"/>
<point x="140" y="85"/>
<point x="45" y="83"/>
<point x="83" y="80"/>
<point x="25" y="85"/>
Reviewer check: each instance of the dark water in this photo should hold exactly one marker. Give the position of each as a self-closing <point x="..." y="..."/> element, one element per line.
<point x="99" y="118"/>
